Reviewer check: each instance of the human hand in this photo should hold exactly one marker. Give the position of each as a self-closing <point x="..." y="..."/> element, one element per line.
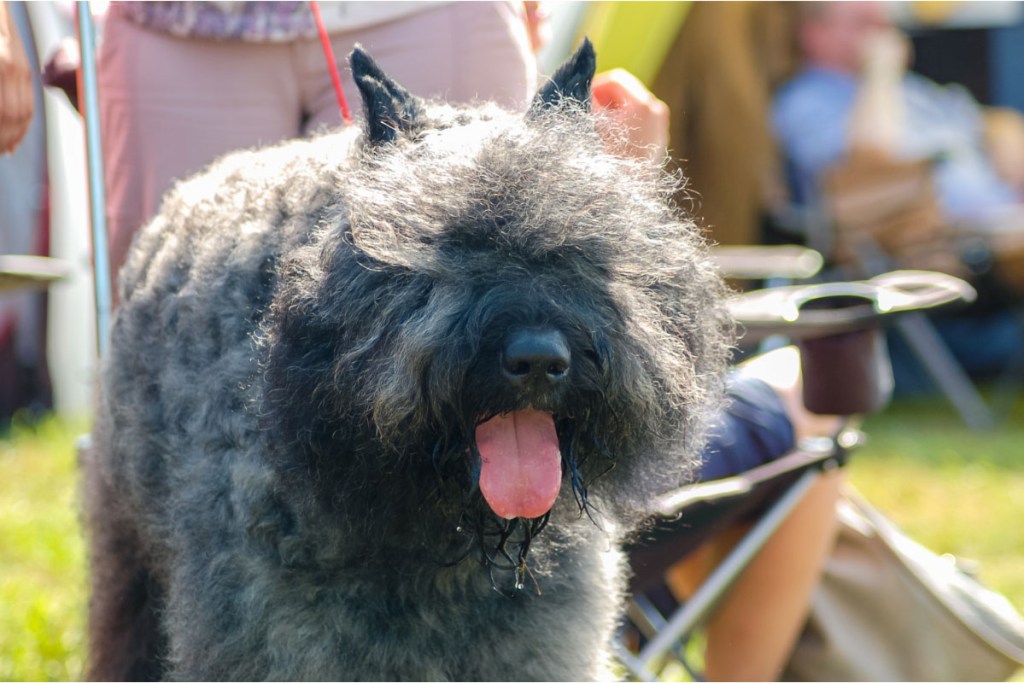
<point x="537" y="28"/>
<point x="16" y="95"/>
<point x="885" y="53"/>
<point x="878" y="119"/>
<point x="1004" y="142"/>
<point x="623" y="98"/>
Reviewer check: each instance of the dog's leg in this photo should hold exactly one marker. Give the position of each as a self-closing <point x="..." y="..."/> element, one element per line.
<point x="125" y="642"/>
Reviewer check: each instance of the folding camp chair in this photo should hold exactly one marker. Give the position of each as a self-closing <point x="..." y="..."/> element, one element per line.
<point x="689" y="517"/>
<point x="845" y="369"/>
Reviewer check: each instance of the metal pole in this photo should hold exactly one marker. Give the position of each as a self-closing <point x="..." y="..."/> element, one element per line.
<point x="938" y="361"/>
<point x="88" y="101"/>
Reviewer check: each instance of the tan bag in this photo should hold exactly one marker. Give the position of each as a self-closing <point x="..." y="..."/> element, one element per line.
<point x="881" y="203"/>
<point x="888" y="609"/>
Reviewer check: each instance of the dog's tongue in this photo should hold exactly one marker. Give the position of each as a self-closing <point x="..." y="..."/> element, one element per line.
<point x="521" y="468"/>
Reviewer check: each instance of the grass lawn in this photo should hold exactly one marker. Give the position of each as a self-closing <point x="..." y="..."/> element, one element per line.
<point x="42" y="555"/>
<point x="953" y="490"/>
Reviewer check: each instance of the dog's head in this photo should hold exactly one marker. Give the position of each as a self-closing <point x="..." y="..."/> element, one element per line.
<point x="498" y="314"/>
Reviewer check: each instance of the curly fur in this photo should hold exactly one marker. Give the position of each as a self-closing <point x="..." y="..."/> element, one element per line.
<point x="284" y="478"/>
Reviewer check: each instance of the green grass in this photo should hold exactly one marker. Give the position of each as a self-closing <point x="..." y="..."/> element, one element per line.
<point x="953" y="490"/>
<point x="42" y="556"/>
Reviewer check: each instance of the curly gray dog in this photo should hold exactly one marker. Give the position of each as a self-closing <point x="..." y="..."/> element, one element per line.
<point x="384" y="404"/>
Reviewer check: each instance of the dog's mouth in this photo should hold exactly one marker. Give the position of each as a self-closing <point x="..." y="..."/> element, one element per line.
<point x="519" y="459"/>
<point x="520" y="463"/>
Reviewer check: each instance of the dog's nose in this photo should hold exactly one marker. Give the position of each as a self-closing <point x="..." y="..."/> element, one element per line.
<point x="536" y="357"/>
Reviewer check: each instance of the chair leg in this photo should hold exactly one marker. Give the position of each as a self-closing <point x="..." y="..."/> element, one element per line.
<point x="1011" y="381"/>
<point x="937" y="360"/>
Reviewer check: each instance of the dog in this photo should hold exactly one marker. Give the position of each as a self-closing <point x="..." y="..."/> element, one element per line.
<point x="385" y="403"/>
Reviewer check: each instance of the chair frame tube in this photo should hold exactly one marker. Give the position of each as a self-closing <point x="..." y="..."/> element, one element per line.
<point x="711" y="591"/>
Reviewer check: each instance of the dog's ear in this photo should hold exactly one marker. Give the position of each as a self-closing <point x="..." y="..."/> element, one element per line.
<point x="571" y="83"/>
<point x="389" y="108"/>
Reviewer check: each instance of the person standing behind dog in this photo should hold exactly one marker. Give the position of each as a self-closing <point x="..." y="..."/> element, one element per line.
<point x="182" y="83"/>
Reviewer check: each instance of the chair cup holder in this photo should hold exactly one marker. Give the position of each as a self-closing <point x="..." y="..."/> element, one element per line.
<point x="847" y="373"/>
<point x="838" y="327"/>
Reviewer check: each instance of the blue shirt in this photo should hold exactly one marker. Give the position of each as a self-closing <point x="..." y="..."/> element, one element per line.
<point x="811" y="116"/>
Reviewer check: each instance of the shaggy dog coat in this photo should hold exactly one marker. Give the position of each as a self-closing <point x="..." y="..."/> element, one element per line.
<point x="385" y="403"/>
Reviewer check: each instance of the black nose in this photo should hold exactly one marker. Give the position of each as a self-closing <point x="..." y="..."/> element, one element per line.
<point x="536" y="357"/>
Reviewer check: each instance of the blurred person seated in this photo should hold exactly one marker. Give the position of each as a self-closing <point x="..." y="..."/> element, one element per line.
<point x="854" y="102"/>
<point x="751" y="634"/>
<point x="854" y="92"/>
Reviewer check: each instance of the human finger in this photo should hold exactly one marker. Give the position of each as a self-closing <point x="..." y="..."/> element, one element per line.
<point x="7" y="103"/>
<point x="619" y="87"/>
<point x="17" y="106"/>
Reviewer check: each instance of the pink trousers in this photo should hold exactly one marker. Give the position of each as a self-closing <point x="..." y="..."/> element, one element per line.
<point x="170" y="105"/>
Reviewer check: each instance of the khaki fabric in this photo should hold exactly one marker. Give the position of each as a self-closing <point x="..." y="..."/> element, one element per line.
<point x="718" y="80"/>
<point x="874" y="201"/>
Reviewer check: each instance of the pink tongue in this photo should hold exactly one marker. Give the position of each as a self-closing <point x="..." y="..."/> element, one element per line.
<point x="521" y="468"/>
